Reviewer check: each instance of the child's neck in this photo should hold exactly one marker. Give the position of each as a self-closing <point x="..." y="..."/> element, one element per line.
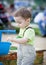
<point x="25" y="27"/>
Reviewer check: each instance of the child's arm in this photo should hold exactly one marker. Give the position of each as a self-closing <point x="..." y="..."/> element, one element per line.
<point x="19" y="40"/>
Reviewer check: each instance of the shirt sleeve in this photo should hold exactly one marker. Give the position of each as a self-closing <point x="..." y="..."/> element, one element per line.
<point x="30" y="34"/>
<point x="18" y="36"/>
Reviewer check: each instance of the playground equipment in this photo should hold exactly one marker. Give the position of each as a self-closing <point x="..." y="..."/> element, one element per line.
<point x="7" y="31"/>
<point x="4" y="49"/>
<point x="5" y="46"/>
<point x="1" y="63"/>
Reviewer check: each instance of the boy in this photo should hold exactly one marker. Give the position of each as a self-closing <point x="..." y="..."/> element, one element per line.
<point x="26" y="52"/>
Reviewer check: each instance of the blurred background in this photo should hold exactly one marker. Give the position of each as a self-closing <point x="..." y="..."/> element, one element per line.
<point x="38" y="23"/>
<point x="7" y="7"/>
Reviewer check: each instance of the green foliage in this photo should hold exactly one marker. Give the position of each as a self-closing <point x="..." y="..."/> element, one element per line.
<point x="40" y="2"/>
<point x="37" y="31"/>
<point x="10" y="1"/>
<point x="17" y="29"/>
<point x="1" y="27"/>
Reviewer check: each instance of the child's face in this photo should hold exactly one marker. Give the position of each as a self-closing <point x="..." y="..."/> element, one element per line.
<point x="22" y="22"/>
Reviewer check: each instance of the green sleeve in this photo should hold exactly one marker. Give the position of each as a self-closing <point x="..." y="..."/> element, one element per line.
<point x="18" y="36"/>
<point x="30" y="34"/>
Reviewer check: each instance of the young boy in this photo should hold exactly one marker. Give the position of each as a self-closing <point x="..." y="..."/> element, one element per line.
<point x="26" y="52"/>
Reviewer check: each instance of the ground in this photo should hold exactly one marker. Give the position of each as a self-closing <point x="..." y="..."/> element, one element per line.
<point x="40" y="43"/>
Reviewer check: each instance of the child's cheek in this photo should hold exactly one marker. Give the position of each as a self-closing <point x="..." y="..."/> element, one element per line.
<point x="20" y="25"/>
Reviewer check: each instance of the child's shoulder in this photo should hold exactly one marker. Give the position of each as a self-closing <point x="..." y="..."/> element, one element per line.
<point x="29" y="30"/>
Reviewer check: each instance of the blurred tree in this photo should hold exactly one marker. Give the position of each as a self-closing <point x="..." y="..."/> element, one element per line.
<point x="40" y="2"/>
<point x="9" y="1"/>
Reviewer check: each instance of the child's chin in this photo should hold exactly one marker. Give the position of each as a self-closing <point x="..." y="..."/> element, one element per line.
<point x="21" y="27"/>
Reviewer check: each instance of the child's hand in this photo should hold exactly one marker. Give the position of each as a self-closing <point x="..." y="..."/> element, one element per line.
<point x="8" y="39"/>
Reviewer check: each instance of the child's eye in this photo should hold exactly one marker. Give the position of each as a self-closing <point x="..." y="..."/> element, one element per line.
<point x="19" y="22"/>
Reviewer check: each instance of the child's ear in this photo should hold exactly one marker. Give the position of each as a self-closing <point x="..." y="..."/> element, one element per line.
<point x="28" y="20"/>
